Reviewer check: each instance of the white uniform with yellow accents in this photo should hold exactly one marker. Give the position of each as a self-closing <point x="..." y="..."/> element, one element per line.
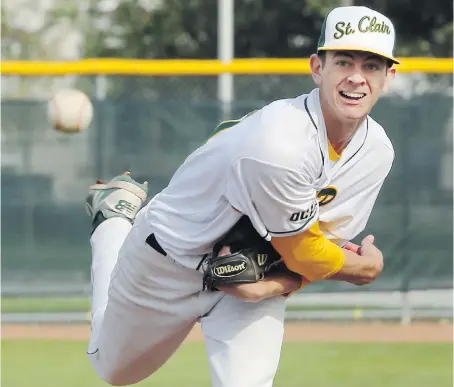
<point x="271" y="165"/>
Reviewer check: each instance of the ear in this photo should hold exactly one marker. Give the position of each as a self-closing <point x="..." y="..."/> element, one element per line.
<point x="390" y="75"/>
<point x="316" y="68"/>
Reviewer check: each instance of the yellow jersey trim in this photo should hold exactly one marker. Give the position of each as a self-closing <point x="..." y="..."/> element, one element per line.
<point x="310" y="254"/>
<point x="333" y="155"/>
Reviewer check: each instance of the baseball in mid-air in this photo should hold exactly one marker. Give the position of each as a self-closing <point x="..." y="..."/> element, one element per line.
<point x="70" y="111"/>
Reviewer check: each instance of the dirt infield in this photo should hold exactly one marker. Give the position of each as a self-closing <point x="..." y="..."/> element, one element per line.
<point x="295" y="332"/>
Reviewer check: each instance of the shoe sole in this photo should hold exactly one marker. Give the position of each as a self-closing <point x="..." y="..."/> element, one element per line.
<point x="130" y="187"/>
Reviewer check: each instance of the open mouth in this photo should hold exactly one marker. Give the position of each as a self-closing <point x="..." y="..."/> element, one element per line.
<point x="351" y="95"/>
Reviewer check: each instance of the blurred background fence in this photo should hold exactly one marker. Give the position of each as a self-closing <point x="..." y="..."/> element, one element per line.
<point x="151" y="112"/>
<point x="149" y="124"/>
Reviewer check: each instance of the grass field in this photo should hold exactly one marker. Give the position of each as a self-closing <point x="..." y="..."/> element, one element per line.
<point x="82" y="304"/>
<point x="52" y="363"/>
<point x="41" y="362"/>
<point x="45" y="304"/>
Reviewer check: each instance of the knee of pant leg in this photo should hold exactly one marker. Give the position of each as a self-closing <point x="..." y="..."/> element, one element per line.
<point x="111" y="373"/>
<point x="118" y="373"/>
<point x="117" y="381"/>
<point x="116" y="377"/>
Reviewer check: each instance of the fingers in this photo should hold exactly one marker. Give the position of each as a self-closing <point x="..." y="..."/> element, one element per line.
<point x="357" y="248"/>
<point x="368" y="239"/>
<point x="224" y="251"/>
<point x="352" y="247"/>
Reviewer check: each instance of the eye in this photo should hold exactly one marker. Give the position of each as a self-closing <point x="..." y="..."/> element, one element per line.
<point x="342" y="63"/>
<point x="372" y="67"/>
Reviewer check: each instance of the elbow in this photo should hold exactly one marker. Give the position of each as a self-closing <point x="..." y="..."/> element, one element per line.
<point x="294" y="267"/>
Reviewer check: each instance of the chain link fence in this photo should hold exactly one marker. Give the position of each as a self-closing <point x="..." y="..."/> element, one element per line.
<point x="150" y="124"/>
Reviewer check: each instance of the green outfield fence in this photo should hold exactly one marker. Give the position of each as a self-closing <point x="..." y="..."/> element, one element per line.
<point x="150" y="124"/>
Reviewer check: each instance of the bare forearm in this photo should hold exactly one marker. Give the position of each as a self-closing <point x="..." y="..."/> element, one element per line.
<point x="273" y="285"/>
<point x="279" y="284"/>
<point x="357" y="269"/>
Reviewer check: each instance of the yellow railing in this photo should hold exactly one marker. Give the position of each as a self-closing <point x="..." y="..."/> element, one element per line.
<point x="197" y="67"/>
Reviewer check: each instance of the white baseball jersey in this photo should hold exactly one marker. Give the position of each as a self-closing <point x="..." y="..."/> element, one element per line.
<point x="274" y="166"/>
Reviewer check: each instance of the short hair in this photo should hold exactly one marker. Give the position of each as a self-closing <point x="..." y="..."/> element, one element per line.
<point x="322" y="55"/>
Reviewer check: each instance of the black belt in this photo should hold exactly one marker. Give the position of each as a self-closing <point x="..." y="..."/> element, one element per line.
<point x="151" y="241"/>
<point x="154" y="244"/>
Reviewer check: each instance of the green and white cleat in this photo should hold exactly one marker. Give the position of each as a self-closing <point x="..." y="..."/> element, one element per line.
<point x="122" y="196"/>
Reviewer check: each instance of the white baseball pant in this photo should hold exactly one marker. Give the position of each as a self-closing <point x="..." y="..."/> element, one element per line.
<point x="144" y="305"/>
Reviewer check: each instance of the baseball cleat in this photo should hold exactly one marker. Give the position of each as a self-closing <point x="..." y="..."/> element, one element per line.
<point x="122" y="196"/>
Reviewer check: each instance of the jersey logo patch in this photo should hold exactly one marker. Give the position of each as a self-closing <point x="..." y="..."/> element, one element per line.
<point x="303" y="215"/>
<point x="326" y="195"/>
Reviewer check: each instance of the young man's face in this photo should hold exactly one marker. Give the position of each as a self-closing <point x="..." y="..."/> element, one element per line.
<point x="351" y="81"/>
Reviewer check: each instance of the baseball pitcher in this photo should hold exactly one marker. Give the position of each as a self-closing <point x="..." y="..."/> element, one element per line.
<point x="267" y="205"/>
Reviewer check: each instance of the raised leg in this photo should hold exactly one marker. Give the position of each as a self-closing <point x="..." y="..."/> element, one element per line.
<point x="144" y="304"/>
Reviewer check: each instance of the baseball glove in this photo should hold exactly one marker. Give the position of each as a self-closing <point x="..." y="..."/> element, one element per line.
<point x="251" y="258"/>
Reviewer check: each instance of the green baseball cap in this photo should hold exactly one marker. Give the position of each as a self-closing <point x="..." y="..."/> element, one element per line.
<point x="358" y="29"/>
